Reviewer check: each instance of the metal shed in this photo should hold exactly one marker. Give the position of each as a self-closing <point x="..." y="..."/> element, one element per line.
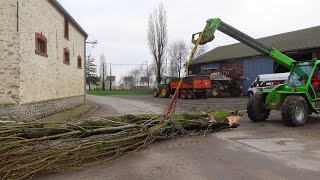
<point x="252" y="67"/>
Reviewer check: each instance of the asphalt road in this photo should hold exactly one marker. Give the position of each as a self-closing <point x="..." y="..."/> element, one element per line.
<point x="266" y="150"/>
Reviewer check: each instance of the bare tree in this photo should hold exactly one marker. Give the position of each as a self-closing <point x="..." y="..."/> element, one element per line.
<point x="200" y="51"/>
<point x="148" y="73"/>
<point x="136" y="74"/>
<point x="157" y="38"/>
<point x="178" y="53"/>
<point x="103" y="71"/>
<point x="132" y="78"/>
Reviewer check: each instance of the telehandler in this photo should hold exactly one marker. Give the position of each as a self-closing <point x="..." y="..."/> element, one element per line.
<point x="296" y="98"/>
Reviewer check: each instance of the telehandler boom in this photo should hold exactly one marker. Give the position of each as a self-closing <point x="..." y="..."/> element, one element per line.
<point x="296" y="98"/>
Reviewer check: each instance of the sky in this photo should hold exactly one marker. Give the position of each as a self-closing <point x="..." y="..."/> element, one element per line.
<point x="120" y="26"/>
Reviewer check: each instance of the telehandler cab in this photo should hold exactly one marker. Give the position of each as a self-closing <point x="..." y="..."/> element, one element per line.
<point x="297" y="98"/>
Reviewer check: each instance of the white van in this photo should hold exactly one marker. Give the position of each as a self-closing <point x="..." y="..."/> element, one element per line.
<point x="264" y="80"/>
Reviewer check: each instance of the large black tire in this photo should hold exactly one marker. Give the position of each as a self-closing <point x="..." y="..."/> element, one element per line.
<point x="183" y="94"/>
<point x="156" y="92"/>
<point x="216" y="91"/>
<point x="235" y="88"/>
<point x="165" y="92"/>
<point x="256" y="108"/>
<point x="295" y="111"/>
<point x="190" y="94"/>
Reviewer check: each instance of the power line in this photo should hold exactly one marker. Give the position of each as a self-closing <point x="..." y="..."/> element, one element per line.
<point x="127" y="64"/>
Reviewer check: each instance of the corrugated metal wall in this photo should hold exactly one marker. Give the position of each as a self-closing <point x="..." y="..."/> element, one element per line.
<point x="253" y="67"/>
<point x="212" y="65"/>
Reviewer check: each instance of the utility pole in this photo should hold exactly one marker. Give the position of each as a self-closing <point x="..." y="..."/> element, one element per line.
<point x="110" y="80"/>
<point x="103" y="78"/>
<point x="148" y="75"/>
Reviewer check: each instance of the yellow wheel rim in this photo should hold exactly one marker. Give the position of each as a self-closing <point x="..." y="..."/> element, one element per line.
<point x="155" y="93"/>
<point x="163" y="92"/>
<point x="214" y="91"/>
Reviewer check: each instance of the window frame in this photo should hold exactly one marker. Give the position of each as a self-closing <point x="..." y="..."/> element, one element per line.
<point x="79" y="59"/>
<point x="66" y="29"/>
<point x="41" y="37"/>
<point x="66" y="50"/>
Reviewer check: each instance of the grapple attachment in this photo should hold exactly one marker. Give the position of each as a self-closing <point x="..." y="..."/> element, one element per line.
<point x="204" y="40"/>
<point x="208" y="34"/>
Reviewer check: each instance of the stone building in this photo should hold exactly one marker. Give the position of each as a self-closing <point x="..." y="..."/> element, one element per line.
<point x="42" y="54"/>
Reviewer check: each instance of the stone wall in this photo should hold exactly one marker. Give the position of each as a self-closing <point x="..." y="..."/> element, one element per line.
<point x="48" y="78"/>
<point x="9" y="54"/>
<point x="33" y="86"/>
<point x="38" y="110"/>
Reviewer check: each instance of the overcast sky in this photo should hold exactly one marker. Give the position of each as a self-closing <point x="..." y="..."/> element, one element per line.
<point x="120" y="26"/>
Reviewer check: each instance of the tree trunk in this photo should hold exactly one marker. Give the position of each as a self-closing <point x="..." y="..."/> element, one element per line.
<point x="158" y="74"/>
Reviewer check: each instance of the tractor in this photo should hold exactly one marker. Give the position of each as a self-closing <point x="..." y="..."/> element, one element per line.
<point x="191" y="87"/>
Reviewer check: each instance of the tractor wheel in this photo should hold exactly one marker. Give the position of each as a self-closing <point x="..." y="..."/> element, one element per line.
<point x="183" y="94"/>
<point x="235" y="88"/>
<point x="256" y="110"/>
<point x="190" y="94"/>
<point x="156" y="92"/>
<point x="294" y="111"/>
<point x="215" y="90"/>
<point x="165" y="92"/>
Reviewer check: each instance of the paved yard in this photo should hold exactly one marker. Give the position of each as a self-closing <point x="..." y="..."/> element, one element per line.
<point x="267" y="150"/>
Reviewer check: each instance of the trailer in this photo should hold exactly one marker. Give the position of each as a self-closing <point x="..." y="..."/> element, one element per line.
<point x="191" y="87"/>
<point x="225" y="81"/>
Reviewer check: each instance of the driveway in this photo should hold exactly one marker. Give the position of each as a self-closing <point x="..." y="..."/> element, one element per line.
<point x="267" y="150"/>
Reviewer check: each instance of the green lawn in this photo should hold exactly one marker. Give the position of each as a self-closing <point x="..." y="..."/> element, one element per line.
<point x="96" y="92"/>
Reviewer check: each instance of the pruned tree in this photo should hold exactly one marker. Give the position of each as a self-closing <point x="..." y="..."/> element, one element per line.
<point x="149" y="73"/>
<point x="103" y="71"/>
<point x="158" y="38"/>
<point x="91" y="68"/>
<point x="178" y="53"/>
<point x="136" y="74"/>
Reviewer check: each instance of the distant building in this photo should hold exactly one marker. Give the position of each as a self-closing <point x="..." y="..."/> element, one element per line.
<point x="42" y="50"/>
<point x="112" y="80"/>
<point x="144" y="81"/>
<point x="128" y="82"/>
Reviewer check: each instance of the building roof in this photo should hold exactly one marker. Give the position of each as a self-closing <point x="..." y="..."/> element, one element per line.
<point x="59" y="7"/>
<point x="128" y="79"/>
<point x="113" y="78"/>
<point x="291" y="41"/>
<point x="144" y="79"/>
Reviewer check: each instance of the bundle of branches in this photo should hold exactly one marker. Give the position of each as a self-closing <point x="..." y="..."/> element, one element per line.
<point x="32" y="147"/>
